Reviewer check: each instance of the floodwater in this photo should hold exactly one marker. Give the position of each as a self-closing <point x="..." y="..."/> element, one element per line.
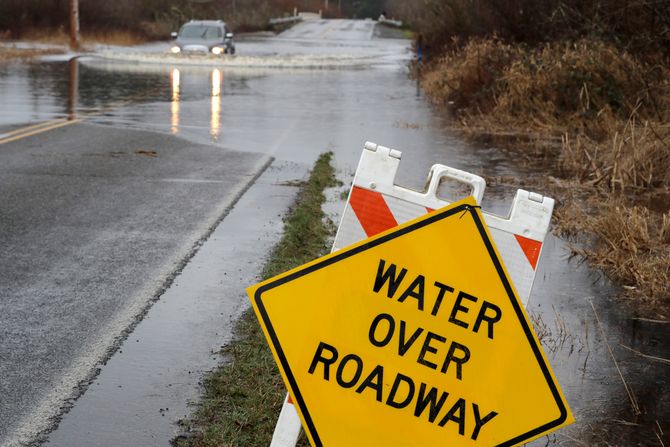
<point x="608" y="360"/>
<point x="617" y="396"/>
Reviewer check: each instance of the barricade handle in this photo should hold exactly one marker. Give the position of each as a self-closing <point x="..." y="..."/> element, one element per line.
<point x="438" y="172"/>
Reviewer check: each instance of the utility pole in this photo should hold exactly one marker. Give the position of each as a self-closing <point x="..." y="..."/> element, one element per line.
<point x="74" y="25"/>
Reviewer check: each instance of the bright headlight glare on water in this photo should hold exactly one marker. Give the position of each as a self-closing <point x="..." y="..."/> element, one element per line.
<point x="216" y="50"/>
<point x="175" y="49"/>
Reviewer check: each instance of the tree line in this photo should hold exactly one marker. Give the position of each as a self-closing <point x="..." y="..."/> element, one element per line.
<point x="636" y="25"/>
<point x="156" y="18"/>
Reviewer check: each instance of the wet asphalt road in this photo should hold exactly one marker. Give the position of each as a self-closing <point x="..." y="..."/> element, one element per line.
<point x="98" y="216"/>
<point x="154" y="376"/>
<point x="95" y="221"/>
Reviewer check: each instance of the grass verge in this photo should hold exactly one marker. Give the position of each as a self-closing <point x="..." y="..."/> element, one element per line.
<point x="58" y="36"/>
<point x="60" y="40"/>
<point x="597" y="118"/>
<point x="242" y="399"/>
<point x="10" y="53"/>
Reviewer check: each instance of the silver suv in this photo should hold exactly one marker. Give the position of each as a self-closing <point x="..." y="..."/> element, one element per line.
<point x="204" y="36"/>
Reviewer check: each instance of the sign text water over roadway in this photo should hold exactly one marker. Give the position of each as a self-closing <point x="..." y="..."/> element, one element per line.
<point x="413" y="337"/>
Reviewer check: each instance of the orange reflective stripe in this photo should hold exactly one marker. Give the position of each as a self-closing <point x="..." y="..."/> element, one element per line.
<point x="531" y="249"/>
<point x="371" y="210"/>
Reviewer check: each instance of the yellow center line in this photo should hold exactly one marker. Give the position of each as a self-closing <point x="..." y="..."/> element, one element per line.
<point x="16" y="134"/>
<point x="37" y="130"/>
<point x="27" y="128"/>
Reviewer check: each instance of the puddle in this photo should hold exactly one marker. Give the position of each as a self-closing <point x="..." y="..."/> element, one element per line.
<point x="41" y="91"/>
<point x="617" y="396"/>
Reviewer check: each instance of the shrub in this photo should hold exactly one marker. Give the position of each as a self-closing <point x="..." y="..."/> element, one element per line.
<point x="552" y="83"/>
<point x="470" y="76"/>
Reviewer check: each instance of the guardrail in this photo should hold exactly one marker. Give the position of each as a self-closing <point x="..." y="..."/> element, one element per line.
<point x="284" y="20"/>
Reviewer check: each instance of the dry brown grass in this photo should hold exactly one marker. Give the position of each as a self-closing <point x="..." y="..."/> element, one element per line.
<point x="114" y="37"/>
<point x="400" y="124"/>
<point x="635" y="247"/>
<point x="557" y="85"/>
<point x="600" y="118"/>
<point x="633" y="155"/>
<point x="10" y="53"/>
<point x="571" y="83"/>
<point x="631" y="245"/>
<point x="60" y="37"/>
<point x="470" y="76"/>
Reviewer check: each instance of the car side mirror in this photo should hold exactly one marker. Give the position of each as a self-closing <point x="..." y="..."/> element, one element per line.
<point x="173" y="35"/>
<point x="229" y="35"/>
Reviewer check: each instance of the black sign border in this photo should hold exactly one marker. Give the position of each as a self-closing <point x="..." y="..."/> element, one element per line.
<point x="434" y="217"/>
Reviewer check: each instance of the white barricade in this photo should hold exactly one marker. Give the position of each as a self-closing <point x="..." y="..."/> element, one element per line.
<point x="376" y="204"/>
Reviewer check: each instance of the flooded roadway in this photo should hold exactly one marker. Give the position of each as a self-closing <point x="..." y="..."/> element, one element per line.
<point x="294" y="114"/>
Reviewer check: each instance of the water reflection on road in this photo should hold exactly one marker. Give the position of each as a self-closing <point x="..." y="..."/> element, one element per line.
<point x="618" y="396"/>
<point x="215" y="110"/>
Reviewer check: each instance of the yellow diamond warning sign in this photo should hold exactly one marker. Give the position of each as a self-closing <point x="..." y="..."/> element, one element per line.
<point x="414" y="337"/>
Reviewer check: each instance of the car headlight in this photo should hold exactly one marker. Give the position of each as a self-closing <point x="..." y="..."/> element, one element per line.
<point x="175" y="50"/>
<point x="217" y="50"/>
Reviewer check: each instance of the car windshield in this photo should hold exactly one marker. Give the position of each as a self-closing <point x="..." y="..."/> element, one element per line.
<point x="200" y="32"/>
